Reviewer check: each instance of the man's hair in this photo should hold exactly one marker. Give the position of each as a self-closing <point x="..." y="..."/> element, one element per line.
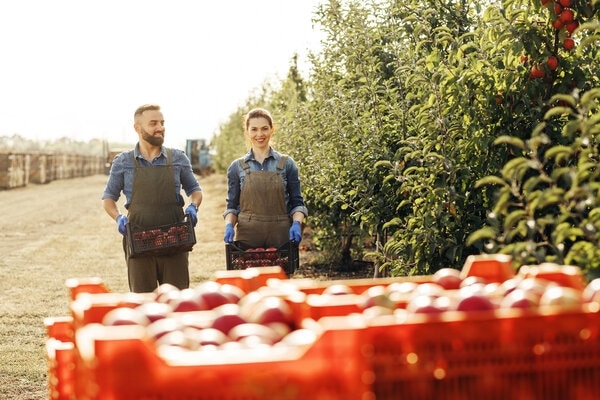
<point x="146" y="107"/>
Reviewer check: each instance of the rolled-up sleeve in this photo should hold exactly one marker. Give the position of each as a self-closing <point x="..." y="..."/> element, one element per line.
<point x="233" y="190"/>
<point x="296" y="201"/>
<point x="189" y="183"/>
<point x="116" y="179"/>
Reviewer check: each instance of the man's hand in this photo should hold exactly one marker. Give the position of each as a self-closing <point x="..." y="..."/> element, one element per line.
<point x="122" y="224"/>
<point x="296" y="232"/>
<point x="192" y="211"/>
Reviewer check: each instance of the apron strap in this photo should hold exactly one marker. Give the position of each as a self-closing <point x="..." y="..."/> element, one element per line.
<point x="280" y="164"/>
<point x="244" y="164"/>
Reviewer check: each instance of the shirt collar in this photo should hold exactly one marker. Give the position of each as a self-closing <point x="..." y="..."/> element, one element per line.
<point x="272" y="153"/>
<point x="138" y="154"/>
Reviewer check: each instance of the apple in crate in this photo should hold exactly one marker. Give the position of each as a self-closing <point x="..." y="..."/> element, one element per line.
<point x="563" y="296"/>
<point x="473" y="299"/>
<point x="154" y="310"/>
<point x="205" y="337"/>
<point x="448" y="278"/>
<point x="338" y="289"/>
<point x="423" y="303"/>
<point x="520" y="298"/>
<point x="186" y="300"/>
<point x="271" y="309"/>
<point x="211" y="295"/>
<point x="592" y="291"/>
<point x="162" y="291"/>
<point x="228" y="316"/>
<point x="258" y="333"/>
<point x="125" y="316"/>
<point x="376" y="296"/>
<point x="232" y="292"/>
<point x="161" y="327"/>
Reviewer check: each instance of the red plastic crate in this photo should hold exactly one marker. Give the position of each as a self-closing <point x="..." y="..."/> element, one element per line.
<point x="490" y="355"/>
<point x="60" y="355"/>
<point x="118" y="363"/>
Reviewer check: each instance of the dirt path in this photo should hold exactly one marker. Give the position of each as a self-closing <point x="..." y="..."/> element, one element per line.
<point x="52" y="232"/>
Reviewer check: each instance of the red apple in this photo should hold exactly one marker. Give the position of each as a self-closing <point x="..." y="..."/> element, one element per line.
<point x="472" y="300"/>
<point x="429" y="288"/>
<point x="569" y="44"/>
<point x="448" y="278"/>
<point x="562" y="296"/>
<point x="271" y="309"/>
<point x="228" y="316"/>
<point x="161" y="327"/>
<point x="186" y="300"/>
<point x="125" y="316"/>
<point x="206" y="337"/>
<point x="299" y="337"/>
<point x="154" y="310"/>
<point x="376" y="296"/>
<point x="423" y="304"/>
<point x="232" y="292"/>
<point x="534" y="285"/>
<point x="175" y="338"/>
<point x="520" y="298"/>
<point x="377" y="311"/>
<point x="164" y="289"/>
<point x="405" y="287"/>
<point x="264" y="332"/>
<point x="211" y="294"/>
<point x="592" y="291"/>
<point x="337" y="289"/>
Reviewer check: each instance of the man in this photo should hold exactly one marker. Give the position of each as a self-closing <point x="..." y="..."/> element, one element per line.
<point x="151" y="177"/>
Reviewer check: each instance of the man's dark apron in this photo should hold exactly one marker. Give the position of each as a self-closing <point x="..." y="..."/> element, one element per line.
<point x="153" y="203"/>
<point x="263" y="220"/>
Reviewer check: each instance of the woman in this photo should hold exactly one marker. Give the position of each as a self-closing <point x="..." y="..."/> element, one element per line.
<point x="265" y="207"/>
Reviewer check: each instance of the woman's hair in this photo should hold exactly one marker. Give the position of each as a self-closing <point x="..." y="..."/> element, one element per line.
<point x="257" y="113"/>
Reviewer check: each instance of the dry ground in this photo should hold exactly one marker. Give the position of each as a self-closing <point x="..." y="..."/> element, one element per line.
<point x="56" y="231"/>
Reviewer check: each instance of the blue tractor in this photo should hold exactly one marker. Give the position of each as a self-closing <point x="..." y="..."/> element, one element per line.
<point x="198" y="151"/>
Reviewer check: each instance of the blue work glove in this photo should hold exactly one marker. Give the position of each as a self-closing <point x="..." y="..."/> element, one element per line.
<point x="296" y="232"/>
<point x="122" y="224"/>
<point x="229" y="233"/>
<point x="193" y="213"/>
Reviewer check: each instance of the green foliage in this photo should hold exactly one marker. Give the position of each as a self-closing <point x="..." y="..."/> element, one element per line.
<point x="548" y="204"/>
<point x="420" y="127"/>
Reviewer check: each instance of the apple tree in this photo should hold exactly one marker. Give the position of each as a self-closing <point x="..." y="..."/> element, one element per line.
<point x="547" y="204"/>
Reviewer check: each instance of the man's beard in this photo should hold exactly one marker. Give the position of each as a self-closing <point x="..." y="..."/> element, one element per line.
<point x="153" y="140"/>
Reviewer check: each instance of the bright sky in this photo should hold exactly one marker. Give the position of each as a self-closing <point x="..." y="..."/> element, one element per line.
<point x="79" y="68"/>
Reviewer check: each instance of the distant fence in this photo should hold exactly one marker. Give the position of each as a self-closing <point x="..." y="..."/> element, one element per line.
<point x="20" y="169"/>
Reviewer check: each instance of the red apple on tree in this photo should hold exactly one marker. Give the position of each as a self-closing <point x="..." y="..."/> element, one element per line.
<point x="552" y="62"/>
<point x="569" y="44"/>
